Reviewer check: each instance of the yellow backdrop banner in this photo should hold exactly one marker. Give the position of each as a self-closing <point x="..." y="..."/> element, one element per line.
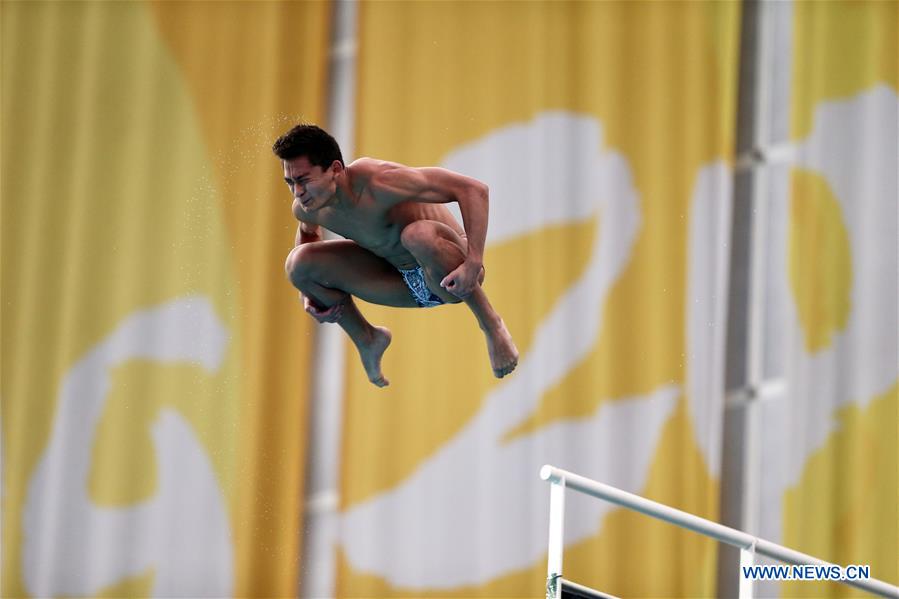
<point x="605" y="131"/>
<point x="154" y="358"/>
<point x="832" y="483"/>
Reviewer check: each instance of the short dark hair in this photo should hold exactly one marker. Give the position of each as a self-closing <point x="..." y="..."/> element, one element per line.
<point x="310" y="141"/>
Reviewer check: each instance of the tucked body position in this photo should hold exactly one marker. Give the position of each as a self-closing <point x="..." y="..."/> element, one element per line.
<point x="402" y="247"/>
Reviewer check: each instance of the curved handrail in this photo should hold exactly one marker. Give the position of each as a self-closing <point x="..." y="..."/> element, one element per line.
<point x="725" y="534"/>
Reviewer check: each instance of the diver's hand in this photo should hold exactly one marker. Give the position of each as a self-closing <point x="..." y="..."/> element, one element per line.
<point x="462" y="281"/>
<point x="322" y="314"/>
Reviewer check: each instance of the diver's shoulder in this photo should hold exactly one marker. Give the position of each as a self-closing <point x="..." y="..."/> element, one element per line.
<point x="368" y="167"/>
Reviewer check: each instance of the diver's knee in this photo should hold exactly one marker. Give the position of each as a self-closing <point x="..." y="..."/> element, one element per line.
<point x="418" y="236"/>
<point x="303" y="262"/>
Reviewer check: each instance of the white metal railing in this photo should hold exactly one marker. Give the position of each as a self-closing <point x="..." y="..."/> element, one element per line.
<point x="748" y="544"/>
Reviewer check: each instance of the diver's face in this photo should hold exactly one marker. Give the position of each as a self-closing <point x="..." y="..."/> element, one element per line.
<point x="312" y="187"/>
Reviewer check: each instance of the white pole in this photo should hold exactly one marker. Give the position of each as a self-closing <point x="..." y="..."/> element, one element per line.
<point x="318" y="558"/>
<point x="556" y="538"/>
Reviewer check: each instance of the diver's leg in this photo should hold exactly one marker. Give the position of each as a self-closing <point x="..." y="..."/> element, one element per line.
<point x="332" y="272"/>
<point x="440" y="250"/>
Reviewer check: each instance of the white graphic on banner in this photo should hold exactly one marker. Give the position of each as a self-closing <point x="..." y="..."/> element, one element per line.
<point x="71" y="546"/>
<point x="707" y="278"/>
<point x="477" y="509"/>
<point x="853" y="146"/>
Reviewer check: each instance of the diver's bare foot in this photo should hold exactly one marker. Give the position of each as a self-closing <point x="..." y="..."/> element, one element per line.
<point x="371" y="354"/>
<point x="502" y="350"/>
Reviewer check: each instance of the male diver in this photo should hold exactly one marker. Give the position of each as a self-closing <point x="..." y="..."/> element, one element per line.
<point x="402" y="246"/>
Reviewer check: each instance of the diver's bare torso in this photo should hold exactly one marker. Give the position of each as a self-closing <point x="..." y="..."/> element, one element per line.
<point x="372" y="223"/>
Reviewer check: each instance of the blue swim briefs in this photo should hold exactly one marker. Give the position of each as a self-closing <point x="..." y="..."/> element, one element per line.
<point x="421" y="293"/>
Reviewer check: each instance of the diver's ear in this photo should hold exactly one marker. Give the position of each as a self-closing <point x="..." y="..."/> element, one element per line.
<point x="337" y="167"/>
